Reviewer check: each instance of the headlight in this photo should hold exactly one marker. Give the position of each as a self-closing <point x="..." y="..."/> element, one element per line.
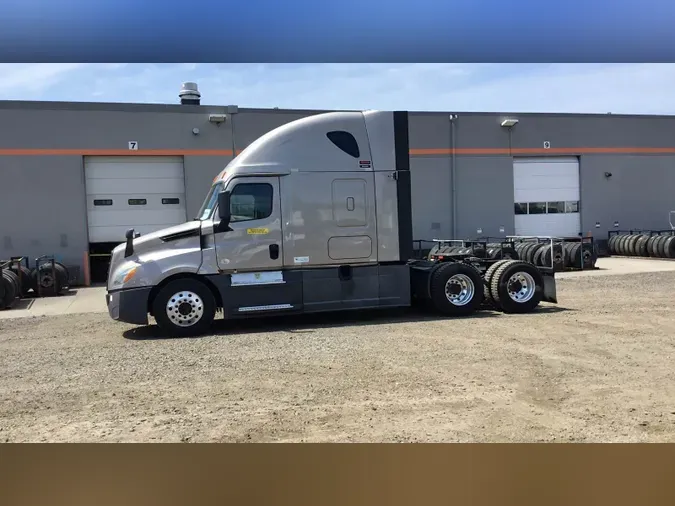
<point x="125" y="274"/>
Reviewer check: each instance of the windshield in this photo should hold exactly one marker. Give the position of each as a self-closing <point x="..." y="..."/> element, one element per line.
<point x="210" y="202"/>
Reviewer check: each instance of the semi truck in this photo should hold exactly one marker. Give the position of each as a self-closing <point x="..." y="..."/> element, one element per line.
<point x="313" y="216"/>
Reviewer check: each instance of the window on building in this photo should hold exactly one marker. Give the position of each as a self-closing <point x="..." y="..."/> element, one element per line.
<point x="520" y="207"/>
<point x="556" y="207"/>
<point x="171" y="201"/>
<point x="251" y="201"/>
<point x="345" y="141"/>
<point x="103" y="202"/>
<point x="537" y="208"/>
<point x="572" y="207"/>
<point x="137" y="202"/>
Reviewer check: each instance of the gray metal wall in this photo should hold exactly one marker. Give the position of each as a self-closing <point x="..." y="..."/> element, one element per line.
<point x="42" y="196"/>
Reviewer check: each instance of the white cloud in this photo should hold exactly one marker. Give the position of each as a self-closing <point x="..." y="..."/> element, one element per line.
<point x="28" y="79"/>
<point x="626" y="88"/>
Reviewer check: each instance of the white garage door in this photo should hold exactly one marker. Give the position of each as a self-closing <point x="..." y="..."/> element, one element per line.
<point x="546" y="196"/>
<point x="144" y="193"/>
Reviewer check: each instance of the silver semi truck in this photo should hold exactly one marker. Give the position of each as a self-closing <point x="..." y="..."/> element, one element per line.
<point x="313" y="216"/>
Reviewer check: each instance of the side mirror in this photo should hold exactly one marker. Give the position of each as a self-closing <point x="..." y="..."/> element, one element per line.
<point x="224" y="208"/>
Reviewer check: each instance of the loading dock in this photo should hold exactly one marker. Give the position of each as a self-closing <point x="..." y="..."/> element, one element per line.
<point x="546" y="196"/>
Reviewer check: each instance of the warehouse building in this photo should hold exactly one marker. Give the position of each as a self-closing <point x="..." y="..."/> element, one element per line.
<point x="75" y="176"/>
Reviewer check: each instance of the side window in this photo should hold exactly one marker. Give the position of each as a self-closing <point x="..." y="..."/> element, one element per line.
<point x="345" y="141"/>
<point x="251" y="201"/>
<point x="520" y="207"/>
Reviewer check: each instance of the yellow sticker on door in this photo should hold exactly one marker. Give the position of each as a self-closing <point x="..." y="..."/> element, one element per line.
<point x="258" y="231"/>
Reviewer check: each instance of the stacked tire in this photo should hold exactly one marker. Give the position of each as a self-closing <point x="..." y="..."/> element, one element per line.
<point x="501" y="251"/>
<point x="17" y="281"/>
<point x="9" y="288"/>
<point x="457" y="251"/>
<point x="560" y="256"/>
<point x="642" y="245"/>
<point x="48" y="281"/>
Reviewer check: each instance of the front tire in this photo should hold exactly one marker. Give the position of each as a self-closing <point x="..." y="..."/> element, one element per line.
<point x="184" y="307"/>
<point x="456" y="289"/>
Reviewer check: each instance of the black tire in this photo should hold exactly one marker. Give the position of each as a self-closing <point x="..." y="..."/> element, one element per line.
<point x="641" y="246"/>
<point x="434" y="250"/>
<point x="204" y="302"/>
<point x="554" y="257"/>
<point x="589" y="256"/>
<point x="624" y="245"/>
<point x="510" y="252"/>
<point x="669" y="247"/>
<point x="632" y="241"/>
<point x="487" y="293"/>
<point x="650" y="246"/>
<point x="538" y="257"/>
<point x="575" y="255"/>
<point x="9" y="288"/>
<point x="500" y="287"/>
<point x="529" y="252"/>
<point x="2" y="292"/>
<point x="661" y="245"/>
<point x="611" y="245"/>
<point x="44" y="280"/>
<point x="452" y="274"/>
<point x="14" y="279"/>
<point x="26" y="279"/>
<point x="655" y="246"/>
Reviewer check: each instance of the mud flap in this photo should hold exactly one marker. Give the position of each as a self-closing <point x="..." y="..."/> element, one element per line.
<point x="550" y="294"/>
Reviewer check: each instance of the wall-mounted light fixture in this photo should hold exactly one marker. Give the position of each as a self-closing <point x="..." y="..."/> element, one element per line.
<point x="509" y="122"/>
<point x="217" y="118"/>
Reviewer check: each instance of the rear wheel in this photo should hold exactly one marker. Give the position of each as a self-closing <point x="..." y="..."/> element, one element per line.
<point x="456" y="289"/>
<point x="488" y="279"/>
<point x="517" y="287"/>
<point x="184" y="307"/>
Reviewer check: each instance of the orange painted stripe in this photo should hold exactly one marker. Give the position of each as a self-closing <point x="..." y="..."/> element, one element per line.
<point x="413" y="151"/>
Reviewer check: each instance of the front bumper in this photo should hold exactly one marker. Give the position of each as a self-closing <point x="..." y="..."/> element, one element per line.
<point x="129" y="306"/>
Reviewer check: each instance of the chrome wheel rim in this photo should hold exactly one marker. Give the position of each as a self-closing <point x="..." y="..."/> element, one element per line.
<point x="521" y="287"/>
<point x="185" y="308"/>
<point x="460" y="290"/>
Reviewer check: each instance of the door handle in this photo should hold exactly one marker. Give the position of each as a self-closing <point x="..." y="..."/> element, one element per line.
<point x="274" y="251"/>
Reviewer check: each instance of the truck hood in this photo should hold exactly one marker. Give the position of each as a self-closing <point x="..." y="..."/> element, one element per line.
<point x="156" y="245"/>
<point x="148" y="241"/>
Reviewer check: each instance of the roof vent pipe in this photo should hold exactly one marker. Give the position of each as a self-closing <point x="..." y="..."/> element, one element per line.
<point x="189" y="94"/>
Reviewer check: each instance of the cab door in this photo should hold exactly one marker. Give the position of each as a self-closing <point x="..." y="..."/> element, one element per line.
<point x="252" y="241"/>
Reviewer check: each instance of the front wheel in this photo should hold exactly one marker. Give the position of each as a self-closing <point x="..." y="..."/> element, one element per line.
<point x="184" y="307"/>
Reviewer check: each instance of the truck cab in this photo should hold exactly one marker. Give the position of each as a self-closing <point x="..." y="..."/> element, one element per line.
<point x="313" y="216"/>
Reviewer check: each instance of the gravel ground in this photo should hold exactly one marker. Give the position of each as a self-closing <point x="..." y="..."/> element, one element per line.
<point x="598" y="367"/>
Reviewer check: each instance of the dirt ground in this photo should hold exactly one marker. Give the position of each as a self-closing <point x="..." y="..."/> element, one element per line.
<point x="598" y="367"/>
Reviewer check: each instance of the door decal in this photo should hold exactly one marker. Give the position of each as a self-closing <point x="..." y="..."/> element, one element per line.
<point x="258" y="231"/>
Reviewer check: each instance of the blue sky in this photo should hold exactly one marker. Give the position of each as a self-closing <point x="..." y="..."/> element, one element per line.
<point x="590" y="88"/>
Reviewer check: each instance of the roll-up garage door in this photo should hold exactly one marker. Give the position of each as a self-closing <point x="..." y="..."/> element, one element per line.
<point x="144" y="193"/>
<point x="546" y="196"/>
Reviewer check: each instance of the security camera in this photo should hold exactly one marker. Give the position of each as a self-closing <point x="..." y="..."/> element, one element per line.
<point x="608" y="174"/>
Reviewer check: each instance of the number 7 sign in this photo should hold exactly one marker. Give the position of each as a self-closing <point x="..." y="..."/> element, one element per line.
<point x="133" y="145"/>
